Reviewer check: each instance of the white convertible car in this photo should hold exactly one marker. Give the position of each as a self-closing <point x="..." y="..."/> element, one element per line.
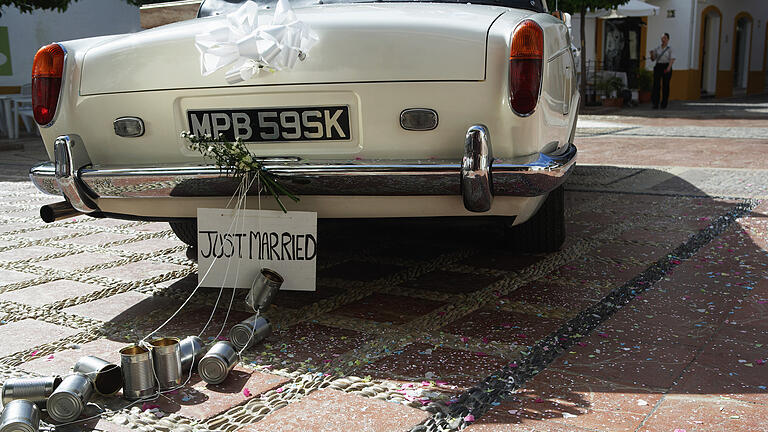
<point x="401" y="109"/>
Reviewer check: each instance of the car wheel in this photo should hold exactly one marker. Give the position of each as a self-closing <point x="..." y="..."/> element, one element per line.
<point x="545" y="231"/>
<point x="186" y="231"/>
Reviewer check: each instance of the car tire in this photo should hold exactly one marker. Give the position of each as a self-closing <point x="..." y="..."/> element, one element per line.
<point x="186" y="231"/>
<point x="545" y="231"/>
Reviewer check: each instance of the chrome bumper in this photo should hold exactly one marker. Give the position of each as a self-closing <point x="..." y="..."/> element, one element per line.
<point x="477" y="177"/>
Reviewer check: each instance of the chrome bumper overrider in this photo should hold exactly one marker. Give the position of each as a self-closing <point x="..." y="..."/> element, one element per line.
<point x="478" y="177"/>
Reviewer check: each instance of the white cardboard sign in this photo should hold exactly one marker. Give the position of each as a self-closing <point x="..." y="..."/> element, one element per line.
<point x="236" y="245"/>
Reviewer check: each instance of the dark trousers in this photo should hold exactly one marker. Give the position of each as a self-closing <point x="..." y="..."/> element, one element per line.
<point x="660" y="82"/>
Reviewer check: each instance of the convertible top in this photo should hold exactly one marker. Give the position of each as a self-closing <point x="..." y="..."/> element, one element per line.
<point x="220" y="7"/>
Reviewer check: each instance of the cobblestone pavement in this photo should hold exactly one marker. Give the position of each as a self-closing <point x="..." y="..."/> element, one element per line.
<point x="651" y="318"/>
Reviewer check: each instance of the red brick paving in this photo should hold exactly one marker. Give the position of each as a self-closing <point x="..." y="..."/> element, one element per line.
<point x="202" y="401"/>
<point x="331" y="410"/>
<point x="25" y="334"/>
<point x="59" y="363"/>
<point x="706" y="415"/>
<point x="50" y="292"/>
<point x="388" y="308"/>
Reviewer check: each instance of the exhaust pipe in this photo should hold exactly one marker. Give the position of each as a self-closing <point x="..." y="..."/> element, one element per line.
<point x="58" y="211"/>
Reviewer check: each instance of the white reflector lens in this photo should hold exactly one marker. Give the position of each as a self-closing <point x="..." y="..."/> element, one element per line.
<point x="418" y="119"/>
<point x="129" y="127"/>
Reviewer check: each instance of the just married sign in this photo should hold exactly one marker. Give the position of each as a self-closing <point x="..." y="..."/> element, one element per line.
<point x="234" y="245"/>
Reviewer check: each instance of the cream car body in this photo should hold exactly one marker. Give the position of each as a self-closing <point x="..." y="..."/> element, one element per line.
<point x="378" y="59"/>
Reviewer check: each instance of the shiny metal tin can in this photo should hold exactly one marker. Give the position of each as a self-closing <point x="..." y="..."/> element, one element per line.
<point x="191" y="348"/>
<point x="138" y="376"/>
<point x="20" y="416"/>
<point x="68" y="401"/>
<point x="264" y="289"/>
<point x="33" y="389"/>
<point x="166" y="357"/>
<point x="217" y="362"/>
<point x="250" y="332"/>
<point x="107" y="377"/>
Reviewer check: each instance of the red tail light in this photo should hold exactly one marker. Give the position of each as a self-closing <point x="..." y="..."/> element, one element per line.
<point x="526" y="58"/>
<point x="47" y="71"/>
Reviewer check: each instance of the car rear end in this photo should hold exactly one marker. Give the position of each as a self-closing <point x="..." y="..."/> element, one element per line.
<point x="402" y="109"/>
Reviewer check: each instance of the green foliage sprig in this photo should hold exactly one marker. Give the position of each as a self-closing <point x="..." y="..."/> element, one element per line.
<point x="235" y="159"/>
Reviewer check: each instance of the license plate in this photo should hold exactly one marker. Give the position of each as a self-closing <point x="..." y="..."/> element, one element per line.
<point x="328" y="123"/>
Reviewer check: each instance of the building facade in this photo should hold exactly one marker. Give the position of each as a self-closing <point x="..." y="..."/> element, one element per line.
<point x="720" y="46"/>
<point x="21" y="35"/>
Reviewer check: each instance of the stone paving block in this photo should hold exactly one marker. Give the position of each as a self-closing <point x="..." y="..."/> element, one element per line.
<point x="122" y="307"/>
<point x="555" y="400"/>
<point x="8" y="277"/>
<point x="9" y="227"/>
<point x="362" y="271"/>
<point x="394" y="309"/>
<point x="420" y="361"/>
<point x="451" y="282"/>
<point x="29" y="333"/>
<point x="136" y="271"/>
<point x="699" y="380"/>
<point x="148" y="246"/>
<point x="651" y="358"/>
<point x="706" y="415"/>
<point x="331" y="410"/>
<point x="96" y="425"/>
<point x="99" y="239"/>
<point x="486" y="325"/>
<point x="309" y="342"/>
<point x="50" y="292"/>
<point x="62" y="362"/>
<point x="501" y="260"/>
<point x="299" y="299"/>
<point x="78" y="261"/>
<point x="152" y="227"/>
<point x="191" y="319"/>
<point x="202" y="401"/>
<point x="552" y="295"/>
<point x="48" y="233"/>
<point x="26" y="253"/>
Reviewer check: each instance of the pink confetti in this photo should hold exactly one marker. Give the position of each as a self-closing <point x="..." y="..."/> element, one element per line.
<point x="464" y="339"/>
<point x="513" y="365"/>
<point x="246" y="392"/>
<point x="280" y="390"/>
<point x="426" y="383"/>
<point x="469" y="418"/>
<point x="486" y="340"/>
<point x="358" y="158"/>
<point x="481" y="354"/>
<point x="34" y="353"/>
<point x="760" y="361"/>
<point x="581" y="344"/>
<point x="50" y="357"/>
<point x="539" y="400"/>
<point x="221" y="338"/>
<point x="441" y="313"/>
<point x="522" y="335"/>
<point x="603" y="335"/>
<point x="679" y="430"/>
<point x="145" y="406"/>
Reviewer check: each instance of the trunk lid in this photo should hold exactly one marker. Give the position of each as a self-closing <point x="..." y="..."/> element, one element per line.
<point x="370" y="42"/>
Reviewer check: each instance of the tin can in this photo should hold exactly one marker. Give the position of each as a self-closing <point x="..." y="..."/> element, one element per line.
<point x="264" y="289"/>
<point x="166" y="357"/>
<point x="107" y="377"/>
<point x="34" y="389"/>
<point x="69" y="399"/>
<point x="250" y="332"/>
<point x="20" y="416"/>
<point x="138" y="377"/>
<point x="191" y="348"/>
<point x="217" y="362"/>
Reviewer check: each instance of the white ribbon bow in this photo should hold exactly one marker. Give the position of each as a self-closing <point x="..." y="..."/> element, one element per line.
<point x="250" y="48"/>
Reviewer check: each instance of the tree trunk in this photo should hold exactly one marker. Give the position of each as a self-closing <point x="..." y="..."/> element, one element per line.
<point x="583" y="81"/>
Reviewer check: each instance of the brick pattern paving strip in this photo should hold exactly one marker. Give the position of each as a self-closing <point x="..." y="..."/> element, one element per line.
<point x="403" y="330"/>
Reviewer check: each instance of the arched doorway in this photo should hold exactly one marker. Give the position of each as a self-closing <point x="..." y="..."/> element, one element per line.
<point x="711" y="20"/>
<point x="742" y="44"/>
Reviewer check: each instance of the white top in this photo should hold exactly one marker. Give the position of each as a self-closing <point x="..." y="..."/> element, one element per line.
<point x="666" y="57"/>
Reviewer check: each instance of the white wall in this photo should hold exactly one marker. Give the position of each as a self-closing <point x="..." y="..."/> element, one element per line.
<point x="679" y="29"/>
<point x="84" y="18"/>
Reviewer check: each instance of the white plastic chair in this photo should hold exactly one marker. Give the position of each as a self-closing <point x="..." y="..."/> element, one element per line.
<point x="24" y="110"/>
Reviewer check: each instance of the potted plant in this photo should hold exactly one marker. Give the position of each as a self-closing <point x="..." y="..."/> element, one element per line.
<point x="611" y="86"/>
<point x="644" y="84"/>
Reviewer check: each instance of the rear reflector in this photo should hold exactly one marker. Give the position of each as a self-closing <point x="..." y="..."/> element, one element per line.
<point x="525" y="64"/>
<point x="47" y="71"/>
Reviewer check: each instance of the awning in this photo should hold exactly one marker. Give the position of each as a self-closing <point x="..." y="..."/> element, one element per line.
<point x="633" y="8"/>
